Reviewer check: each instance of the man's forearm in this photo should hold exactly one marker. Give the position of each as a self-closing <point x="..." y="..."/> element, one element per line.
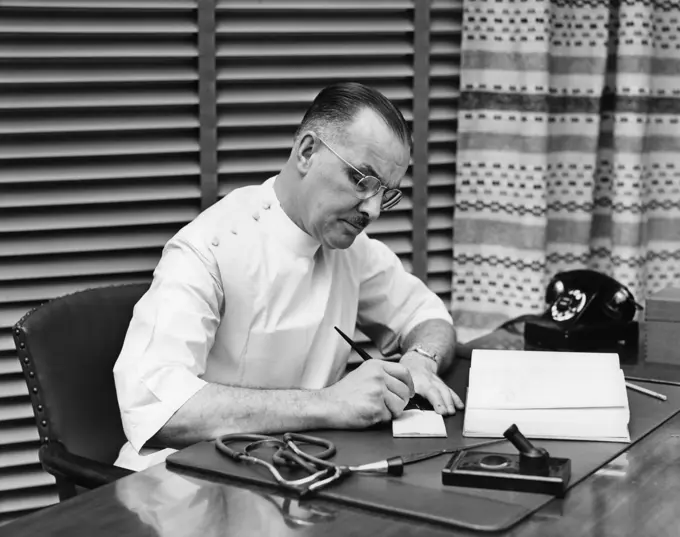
<point x="435" y="336"/>
<point x="217" y="409"/>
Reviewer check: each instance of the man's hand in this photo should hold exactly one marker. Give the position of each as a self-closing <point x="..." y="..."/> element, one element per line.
<point x="426" y="382"/>
<point x="376" y="391"/>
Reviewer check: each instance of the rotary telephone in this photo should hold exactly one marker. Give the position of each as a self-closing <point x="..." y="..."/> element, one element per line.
<point x="586" y="310"/>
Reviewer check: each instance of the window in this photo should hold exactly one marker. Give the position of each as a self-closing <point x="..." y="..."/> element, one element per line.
<point x="112" y="138"/>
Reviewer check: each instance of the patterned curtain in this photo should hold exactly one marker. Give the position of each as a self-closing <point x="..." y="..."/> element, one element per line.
<point x="568" y="151"/>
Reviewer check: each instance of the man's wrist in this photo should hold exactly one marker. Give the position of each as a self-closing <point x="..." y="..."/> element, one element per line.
<point x="411" y="355"/>
<point x="423" y="351"/>
<point x="327" y="410"/>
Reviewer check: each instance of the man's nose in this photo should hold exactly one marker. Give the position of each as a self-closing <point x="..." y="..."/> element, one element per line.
<point x="371" y="206"/>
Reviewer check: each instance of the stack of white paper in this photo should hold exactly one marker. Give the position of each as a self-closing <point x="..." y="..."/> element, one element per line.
<point x="554" y="395"/>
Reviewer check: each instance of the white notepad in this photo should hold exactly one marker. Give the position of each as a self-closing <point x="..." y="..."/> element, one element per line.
<point x="552" y="395"/>
<point x="419" y="423"/>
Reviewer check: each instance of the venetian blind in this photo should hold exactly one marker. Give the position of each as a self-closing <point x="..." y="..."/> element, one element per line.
<point x="445" y="35"/>
<point x="98" y="168"/>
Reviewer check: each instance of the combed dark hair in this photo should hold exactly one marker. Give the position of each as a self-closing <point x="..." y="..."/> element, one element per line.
<point x="338" y="105"/>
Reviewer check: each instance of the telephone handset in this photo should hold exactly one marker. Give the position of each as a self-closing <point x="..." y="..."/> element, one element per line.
<point x="586" y="310"/>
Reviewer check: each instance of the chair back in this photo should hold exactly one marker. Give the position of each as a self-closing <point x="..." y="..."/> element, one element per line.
<point x="67" y="348"/>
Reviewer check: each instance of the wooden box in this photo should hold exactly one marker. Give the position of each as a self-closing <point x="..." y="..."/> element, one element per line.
<point x="662" y="324"/>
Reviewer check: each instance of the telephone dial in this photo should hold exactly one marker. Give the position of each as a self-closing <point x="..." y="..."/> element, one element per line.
<point x="586" y="310"/>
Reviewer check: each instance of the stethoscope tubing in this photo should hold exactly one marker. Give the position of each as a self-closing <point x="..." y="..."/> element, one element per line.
<point x="322" y="472"/>
<point x="302" y="485"/>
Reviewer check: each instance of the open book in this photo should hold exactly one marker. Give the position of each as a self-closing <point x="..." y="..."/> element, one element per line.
<point x="553" y="395"/>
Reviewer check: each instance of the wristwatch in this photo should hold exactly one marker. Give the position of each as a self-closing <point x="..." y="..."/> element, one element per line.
<point x="420" y="350"/>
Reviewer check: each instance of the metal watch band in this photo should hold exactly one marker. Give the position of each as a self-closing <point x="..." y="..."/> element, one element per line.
<point x="431" y="355"/>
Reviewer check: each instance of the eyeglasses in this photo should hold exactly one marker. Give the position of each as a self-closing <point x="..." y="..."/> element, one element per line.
<point x="368" y="186"/>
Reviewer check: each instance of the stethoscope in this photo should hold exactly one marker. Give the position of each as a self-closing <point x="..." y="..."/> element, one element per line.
<point x="320" y="472"/>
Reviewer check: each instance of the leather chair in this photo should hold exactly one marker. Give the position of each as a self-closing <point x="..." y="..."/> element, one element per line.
<point x="67" y="348"/>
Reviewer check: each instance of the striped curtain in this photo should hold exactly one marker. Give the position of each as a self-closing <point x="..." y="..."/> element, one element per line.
<point x="568" y="151"/>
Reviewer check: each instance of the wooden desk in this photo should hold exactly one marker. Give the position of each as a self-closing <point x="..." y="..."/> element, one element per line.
<point x="636" y="495"/>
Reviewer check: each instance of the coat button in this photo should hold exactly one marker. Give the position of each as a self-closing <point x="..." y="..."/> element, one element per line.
<point x="216" y="242"/>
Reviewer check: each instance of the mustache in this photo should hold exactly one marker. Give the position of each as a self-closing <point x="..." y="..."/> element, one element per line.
<point x="359" y="221"/>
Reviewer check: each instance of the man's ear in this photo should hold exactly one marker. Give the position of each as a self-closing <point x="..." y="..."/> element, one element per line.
<point x="305" y="149"/>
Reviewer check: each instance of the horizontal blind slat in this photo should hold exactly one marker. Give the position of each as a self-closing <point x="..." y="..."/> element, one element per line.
<point x="446" y="25"/>
<point x="101" y="241"/>
<point x="320" y="73"/>
<point x="392" y="222"/>
<point x="265" y="117"/>
<point x="443" y="132"/>
<point x="79" y="23"/>
<point x="297" y="92"/>
<point x="441" y="197"/>
<point x="444" y="69"/>
<point x="18" y="455"/>
<point x="442" y="46"/>
<point x="122" y="98"/>
<point x="441" y="155"/>
<point x="53" y="195"/>
<point x="439" y="262"/>
<point x="256" y="162"/>
<point x="446" y="6"/>
<point x="13" y="386"/>
<point x="38" y="291"/>
<point x="441" y="176"/>
<point x="439" y="240"/>
<point x="15" y="411"/>
<point x="122" y="262"/>
<point x="7" y="365"/>
<point x="81" y="148"/>
<point x="68" y="124"/>
<point x="399" y="244"/>
<point x="22" y="501"/>
<point x="297" y="50"/>
<point x="274" y="6"/>
<point x="59" y="72"/>
<point x="103" y="5"/>
<point x="70" y="52"/>
<point x="99" y="217"/>
<point x="105" y="169"/>
<point x="440" y="283"/>
<point x="438" y="219"/>
<point x="313" y="24"/>
<point x="11" y="480"/>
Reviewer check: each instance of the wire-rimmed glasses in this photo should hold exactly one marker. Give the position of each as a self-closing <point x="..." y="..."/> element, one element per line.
<point x="368" y="186"/>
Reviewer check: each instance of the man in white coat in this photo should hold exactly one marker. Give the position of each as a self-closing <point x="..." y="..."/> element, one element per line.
<point x="236" y="332"/>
